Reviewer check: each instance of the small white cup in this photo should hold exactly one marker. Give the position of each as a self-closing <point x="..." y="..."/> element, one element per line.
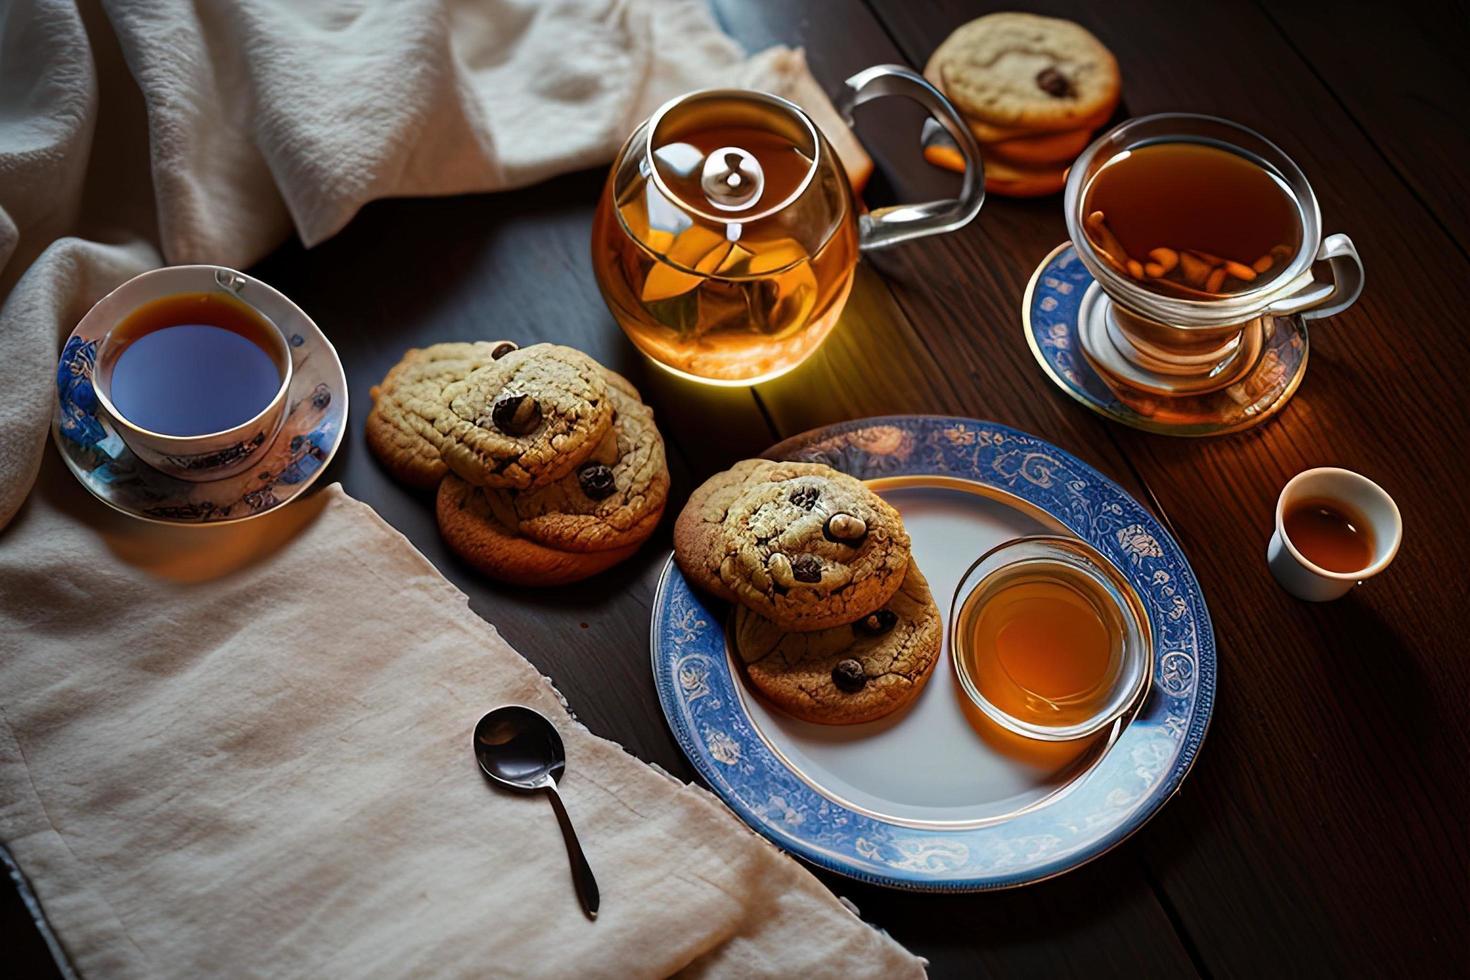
<point x="1359" y="494"/>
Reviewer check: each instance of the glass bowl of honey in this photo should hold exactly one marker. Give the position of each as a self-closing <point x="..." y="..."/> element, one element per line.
<point x="1048" y="639"/>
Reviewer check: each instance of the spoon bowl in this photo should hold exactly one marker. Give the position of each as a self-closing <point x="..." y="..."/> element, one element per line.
<point x="519" y="748"/>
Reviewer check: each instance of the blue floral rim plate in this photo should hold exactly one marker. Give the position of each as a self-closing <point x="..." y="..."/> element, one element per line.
<point x="1050" y="311"/>
<point x="716" y="723"/>
<point x="316" y="415"/>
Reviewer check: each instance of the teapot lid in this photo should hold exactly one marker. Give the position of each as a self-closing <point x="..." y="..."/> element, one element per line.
<point x="732" y="156"/>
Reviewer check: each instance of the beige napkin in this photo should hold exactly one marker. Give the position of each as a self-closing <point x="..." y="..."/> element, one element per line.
<point x="269" y="773"/>
<point x="245" y="750"/>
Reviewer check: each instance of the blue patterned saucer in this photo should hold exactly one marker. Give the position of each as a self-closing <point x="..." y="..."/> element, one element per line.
<point x="930" y="799"/>
<point x="1052" y="312"/>
<point x="316" y="416"/>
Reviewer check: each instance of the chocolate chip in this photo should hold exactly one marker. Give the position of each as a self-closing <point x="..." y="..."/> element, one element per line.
<point x="805" y="497"/>
<point x="1053" y="83"/>
<point x="845" y="529"/>
<point x="849" y="677"/>
<point x="806" y="568"/>
<point x="877" y="623"/>
<point x="515" y="414"/>
<point x="501" y="349"/>
<point x="597" y="481"/>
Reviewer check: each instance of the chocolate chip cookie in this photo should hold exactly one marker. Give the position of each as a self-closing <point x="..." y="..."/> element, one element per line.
<point x="847" y="674"/>
<point x="1025" y="72"/>
<point x="400" y="427"/>
<point x="525" y="420"/>
<point x="612" y="499"/>
<point x="470" y="528"/>
<point x="801" y="544"/>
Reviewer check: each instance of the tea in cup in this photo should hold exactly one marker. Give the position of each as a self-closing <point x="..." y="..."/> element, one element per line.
<point x="1334" y="529"/>
<point x="195" y="382"/>
<point x="1201" y="236"/>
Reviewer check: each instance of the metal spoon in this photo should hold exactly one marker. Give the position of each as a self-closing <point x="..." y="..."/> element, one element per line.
<point x="519" y="747"/>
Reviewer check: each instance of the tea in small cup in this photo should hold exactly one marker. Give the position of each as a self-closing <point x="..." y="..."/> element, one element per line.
<point x="1334" y="529"/>
<point x="194" y="381"/>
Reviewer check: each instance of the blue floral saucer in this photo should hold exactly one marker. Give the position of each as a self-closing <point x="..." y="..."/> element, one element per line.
<point x="316" y="417"/>
<point x="1051" y="311"/>
<point x="930" y="799"/>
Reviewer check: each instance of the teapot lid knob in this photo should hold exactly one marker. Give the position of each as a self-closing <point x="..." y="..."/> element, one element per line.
<point x="732" y="179"/>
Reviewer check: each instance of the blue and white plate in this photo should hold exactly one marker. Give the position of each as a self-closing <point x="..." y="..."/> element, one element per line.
<point x="1051" y="311"/>
<point x="316" y="419"/>
<point x="934" y="798"/>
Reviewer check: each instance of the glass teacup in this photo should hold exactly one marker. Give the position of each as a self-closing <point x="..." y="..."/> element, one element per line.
<point x="1152" y="345"/>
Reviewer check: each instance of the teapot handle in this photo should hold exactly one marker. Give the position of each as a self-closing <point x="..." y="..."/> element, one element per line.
<point x="899" y="223"/>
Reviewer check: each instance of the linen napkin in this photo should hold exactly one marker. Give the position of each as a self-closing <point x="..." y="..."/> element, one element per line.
<point x="245" y="750"/>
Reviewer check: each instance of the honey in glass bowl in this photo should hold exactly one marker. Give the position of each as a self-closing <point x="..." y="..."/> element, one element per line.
<point x="1049" y="639"/>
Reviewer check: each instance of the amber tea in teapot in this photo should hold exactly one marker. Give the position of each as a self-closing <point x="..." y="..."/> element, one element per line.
<point x="723" y="300"/>
<point x="727" y="234"/>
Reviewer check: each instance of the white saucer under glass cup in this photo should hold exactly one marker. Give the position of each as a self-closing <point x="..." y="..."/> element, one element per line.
<point x="1214" y="363"/>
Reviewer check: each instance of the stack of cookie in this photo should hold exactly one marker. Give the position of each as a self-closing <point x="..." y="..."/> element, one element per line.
<point x="548" y="466"/>
<point x="1034" y="91"/>
<point x="834" y="622"/>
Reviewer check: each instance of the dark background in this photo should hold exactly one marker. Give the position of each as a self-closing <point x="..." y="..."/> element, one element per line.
<point x="1323" y="830"/>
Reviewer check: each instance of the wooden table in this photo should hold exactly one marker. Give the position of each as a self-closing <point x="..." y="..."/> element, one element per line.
<point x="1323" y="830"/>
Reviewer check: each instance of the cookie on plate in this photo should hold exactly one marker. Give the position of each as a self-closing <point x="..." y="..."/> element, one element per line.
<point x="470" y="528"/>
<point x="525" y="420"/>
<point x="1026" y="72"/>
<point x="612" y="499"/>
<point x="801" y="544"/>
<point x="400" y="427"/>
<point x="847" y="674"/>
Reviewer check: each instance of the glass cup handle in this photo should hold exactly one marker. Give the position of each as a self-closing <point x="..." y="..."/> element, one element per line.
<point x="1328" y="298"/>
<point x="901" y="222"/>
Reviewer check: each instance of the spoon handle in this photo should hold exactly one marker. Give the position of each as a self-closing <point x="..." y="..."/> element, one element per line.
<point x="582" y="877"/>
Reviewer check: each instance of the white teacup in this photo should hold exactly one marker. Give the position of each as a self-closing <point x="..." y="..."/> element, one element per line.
<point x="203" y="456"/>
<point x="1360" y="495"/>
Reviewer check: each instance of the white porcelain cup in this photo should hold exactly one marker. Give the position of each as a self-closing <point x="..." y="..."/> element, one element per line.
<point x="210" y="455"/>
<point x="1355" y="492"/>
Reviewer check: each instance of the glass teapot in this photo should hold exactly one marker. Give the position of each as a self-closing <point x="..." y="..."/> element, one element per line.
<point x="727" y="235"/>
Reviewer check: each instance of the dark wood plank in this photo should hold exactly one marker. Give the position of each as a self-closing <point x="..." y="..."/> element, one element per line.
<point x="1401" y="77"/>
<point x="1319" y="830"/>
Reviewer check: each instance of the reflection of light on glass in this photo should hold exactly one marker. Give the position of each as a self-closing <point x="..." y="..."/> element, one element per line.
<point x="1110" y="162"/>
<point x="663" y="214"/>
<point x="681" y="158"/>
